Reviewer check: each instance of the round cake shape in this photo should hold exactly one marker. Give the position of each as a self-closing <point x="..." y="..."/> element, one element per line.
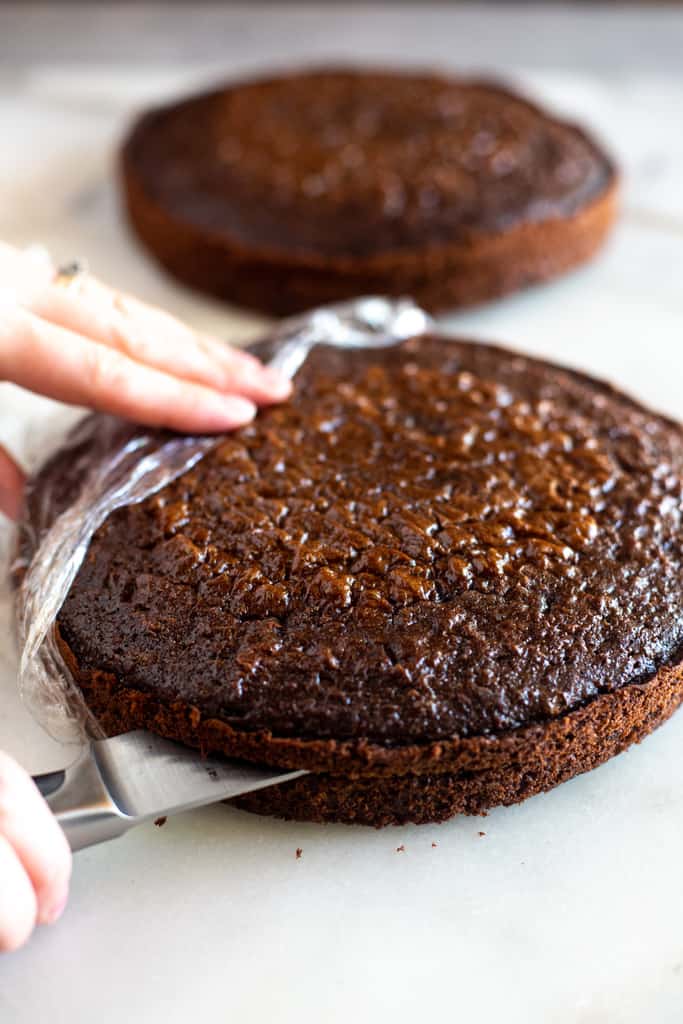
<point x="300" y="189"/>
<point x="444" y="576"/>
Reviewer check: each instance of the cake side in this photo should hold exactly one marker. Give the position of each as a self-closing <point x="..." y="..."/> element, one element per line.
<point x="363" y="783"/>
<point x="289" y="192"/>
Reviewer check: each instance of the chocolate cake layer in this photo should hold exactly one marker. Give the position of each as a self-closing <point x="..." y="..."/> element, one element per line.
<point x="435" y="558"/>
<point x="295" y="190"/>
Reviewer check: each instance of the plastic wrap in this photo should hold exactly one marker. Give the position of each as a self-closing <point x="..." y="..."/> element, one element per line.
<point x="116" y="465"/>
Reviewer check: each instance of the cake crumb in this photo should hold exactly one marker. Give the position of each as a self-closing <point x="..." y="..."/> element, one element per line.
<point x="160" y="821"/>
<point x="434" y="845"/>
<point x="482" y="833"/>
<point x="400" y="849"/>
<point x="299" y="851"/>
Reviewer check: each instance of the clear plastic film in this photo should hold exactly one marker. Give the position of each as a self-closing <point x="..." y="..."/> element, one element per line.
<point x="117" y="464"/>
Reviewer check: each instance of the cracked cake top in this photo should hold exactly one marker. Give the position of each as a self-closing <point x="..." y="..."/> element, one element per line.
<point x="429" y="540"/>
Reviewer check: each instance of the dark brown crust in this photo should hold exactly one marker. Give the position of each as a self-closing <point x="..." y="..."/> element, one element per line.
<point x="463" y="272"/>
<point x="364" y="783"/>
<point x="440" y="279"/>
<point x="408" y="778"/>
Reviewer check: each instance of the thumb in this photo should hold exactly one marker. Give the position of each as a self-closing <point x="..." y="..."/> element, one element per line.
<point x="11" y="485"/>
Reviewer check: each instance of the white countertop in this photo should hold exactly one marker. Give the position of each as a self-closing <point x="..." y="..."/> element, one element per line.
<point x="569" y="908"/>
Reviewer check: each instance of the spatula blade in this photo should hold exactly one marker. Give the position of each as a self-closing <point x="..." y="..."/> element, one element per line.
<point x="147" y="775"/>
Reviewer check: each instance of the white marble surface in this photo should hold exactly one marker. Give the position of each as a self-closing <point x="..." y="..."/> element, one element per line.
<point x="569" y="909"/>
<point x="591" y="36"/>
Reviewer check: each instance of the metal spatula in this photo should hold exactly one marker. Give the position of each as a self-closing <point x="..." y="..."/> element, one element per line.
<point x="121" y="782"/>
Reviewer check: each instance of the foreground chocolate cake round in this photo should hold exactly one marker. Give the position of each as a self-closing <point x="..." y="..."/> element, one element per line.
<point x="292" y="191"/>
<point x="443" y="577"/>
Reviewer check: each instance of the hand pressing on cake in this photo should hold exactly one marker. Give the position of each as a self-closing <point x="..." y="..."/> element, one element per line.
<point x="35" y="860"/>
<point x="72" y="338"/>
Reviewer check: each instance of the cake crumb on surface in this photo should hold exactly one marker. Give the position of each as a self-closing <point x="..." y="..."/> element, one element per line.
<point x="299" y="852"/>
<point x="160" y="821"/>
<point x="434" y="845"/>
<point x="482" y="833"/>
<point x="400" y="849"/>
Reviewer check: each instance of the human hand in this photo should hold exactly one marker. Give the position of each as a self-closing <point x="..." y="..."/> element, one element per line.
<point x="84" y="343"/>
<point x="89" y="345"/>
<point x="35" y="859"/>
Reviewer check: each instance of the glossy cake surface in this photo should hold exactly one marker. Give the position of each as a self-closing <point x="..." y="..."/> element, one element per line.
<point x="287" y="192"/>
<point x="434" y="540"/>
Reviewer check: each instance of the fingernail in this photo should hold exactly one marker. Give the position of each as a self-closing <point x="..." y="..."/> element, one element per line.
<point x="234" y="410"/>
<point x="54" y="912"/>
<point x="277" y="384"/>
<point x="255" y="375"/>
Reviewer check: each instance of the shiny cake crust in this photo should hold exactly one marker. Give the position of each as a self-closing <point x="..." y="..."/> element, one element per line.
<point x="288" y="192"/>
<point x="445" y="576"/>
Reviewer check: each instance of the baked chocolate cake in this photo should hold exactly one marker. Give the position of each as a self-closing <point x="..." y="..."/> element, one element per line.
<point x="301" y="189"/>
<point x="443" y="577"/>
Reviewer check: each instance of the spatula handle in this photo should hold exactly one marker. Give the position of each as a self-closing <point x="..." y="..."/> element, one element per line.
<point x="50" y="782"/>
<point x="81" y="803"/>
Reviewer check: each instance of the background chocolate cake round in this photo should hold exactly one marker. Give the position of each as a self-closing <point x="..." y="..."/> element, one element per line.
<point x="443" y="577"/>
<point x="288" y="192"/>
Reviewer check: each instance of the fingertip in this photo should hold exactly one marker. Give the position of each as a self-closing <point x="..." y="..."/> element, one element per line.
<point x="242" y="370"/>
<point x="237" y="411"/>
<point x="280" y="387"/>
<point x="18" y="903"/>
<point x="35" y="858"/>
<point x="16" y="936"/>
<point x="260" y="383"/>
<point x="212" y="413"/>
<point x="53" y="894"/>
<point x="52" y="912"/>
